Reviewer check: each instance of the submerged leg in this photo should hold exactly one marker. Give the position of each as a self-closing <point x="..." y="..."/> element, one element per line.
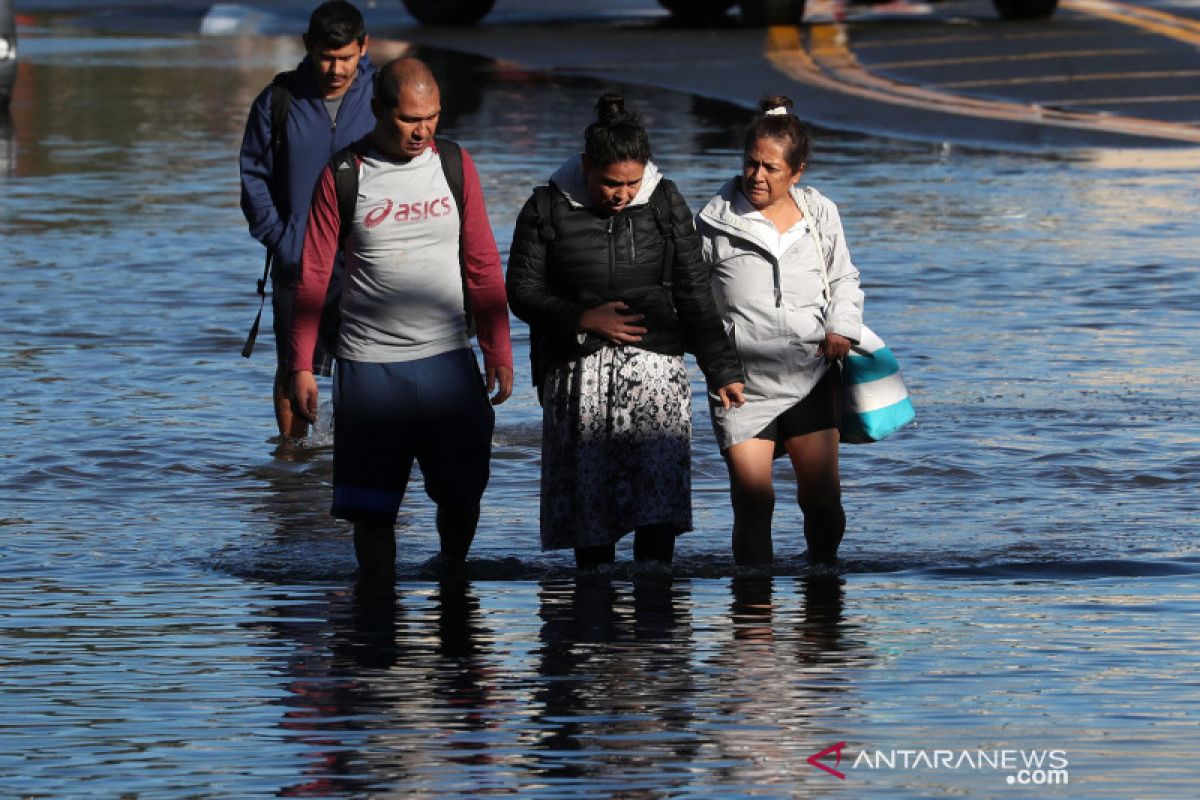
<point x="819" y="492"/>
<point x="456" y="530"/>
<point x="824" y="527"/>
<point x="586" y="557"/>
<point x="753" y="496"/>
<point x="655" y="543"/>
<point x="375" y="549"/>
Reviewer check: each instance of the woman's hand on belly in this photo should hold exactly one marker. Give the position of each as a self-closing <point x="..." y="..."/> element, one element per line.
<point x="611" y="322"/>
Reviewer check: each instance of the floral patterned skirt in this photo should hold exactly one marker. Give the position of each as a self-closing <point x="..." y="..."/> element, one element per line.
<point x="616" y="447"/>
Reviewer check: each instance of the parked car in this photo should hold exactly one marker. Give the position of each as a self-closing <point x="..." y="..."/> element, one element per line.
<point x="753" y="12"/>
<point x="8" y="51"/>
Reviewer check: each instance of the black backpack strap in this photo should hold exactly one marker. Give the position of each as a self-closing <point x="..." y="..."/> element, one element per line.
<point x="660" y="205"/>
<point x="280" y="102"/>
<point x="452" y="167"/>
<point x="543" y="204"/>
<point x="248" y="345"/>
<point x="344" y="167"/>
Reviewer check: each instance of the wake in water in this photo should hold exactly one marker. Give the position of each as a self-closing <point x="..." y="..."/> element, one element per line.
<point x="305" y="559"/>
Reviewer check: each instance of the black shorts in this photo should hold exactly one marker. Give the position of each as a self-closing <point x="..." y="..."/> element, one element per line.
<point x="820" y="410"/>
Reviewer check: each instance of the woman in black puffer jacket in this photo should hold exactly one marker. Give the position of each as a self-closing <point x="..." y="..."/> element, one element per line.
<point x="606" y="269"/>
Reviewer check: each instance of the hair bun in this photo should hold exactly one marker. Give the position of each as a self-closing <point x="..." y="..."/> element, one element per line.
<point x="616" y="135"/>
<point x="777" y="104"/>
<point x="776" y="121"/>
<point x="610" y="109"/>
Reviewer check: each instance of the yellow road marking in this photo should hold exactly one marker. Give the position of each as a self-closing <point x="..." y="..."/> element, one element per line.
<point x="1097" y="76"/>
<point x="1109" y="101"/>
<point x="1011" y="57"/>
<point x="1173" y="27"/>
<point x="825" y="61"/>
<point x="965" y="38"/>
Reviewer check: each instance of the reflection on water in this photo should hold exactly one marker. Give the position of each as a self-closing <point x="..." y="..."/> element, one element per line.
<point x="592" y="688"/>
<point x="385" y="687"/>
<point x="178" y="617"/>
<point x="614" y="678"/>
<point x="453" y="686"/>
<point x="8" y="156"/>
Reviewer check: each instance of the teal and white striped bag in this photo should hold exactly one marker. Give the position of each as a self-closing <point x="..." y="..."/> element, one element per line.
<point x="875" y="401"/>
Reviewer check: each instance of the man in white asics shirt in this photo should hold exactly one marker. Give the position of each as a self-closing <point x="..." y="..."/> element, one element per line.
<point x="406" y="383"/>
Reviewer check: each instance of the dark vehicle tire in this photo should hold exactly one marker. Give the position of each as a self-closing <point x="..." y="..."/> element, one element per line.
<point x="697" y="12"/>
<point x="1025" y="9"/>
<point x="449" y="12"/>
<point x="773" y="12"/>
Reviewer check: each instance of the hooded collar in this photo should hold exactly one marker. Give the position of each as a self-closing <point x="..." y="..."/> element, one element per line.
<point x="571" y="183"/>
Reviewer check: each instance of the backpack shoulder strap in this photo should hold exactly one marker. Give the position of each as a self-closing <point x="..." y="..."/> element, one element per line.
<point x="544" y="198"/>
<point x="451" y="157"/>
<point x="281" y="102"/>
<point x="452" y="165"/>
<point x="344" y="166"/>
<point x="543" y="204"/>
<point x="660" y="205"/>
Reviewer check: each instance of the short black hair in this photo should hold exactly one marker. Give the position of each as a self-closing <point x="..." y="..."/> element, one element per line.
<point x="399" y="72"/>
<point x="616" y="135"/>
<point x="335" y="24"/>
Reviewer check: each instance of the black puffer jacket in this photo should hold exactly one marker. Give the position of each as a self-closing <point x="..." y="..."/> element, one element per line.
<point x="580" y="258"/>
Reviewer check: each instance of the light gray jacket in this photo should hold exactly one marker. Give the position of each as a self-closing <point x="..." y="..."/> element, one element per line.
<point x="775" y="309"/>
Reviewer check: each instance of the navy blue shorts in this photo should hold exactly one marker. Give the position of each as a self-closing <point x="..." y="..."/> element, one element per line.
<point x="434" y="409"/>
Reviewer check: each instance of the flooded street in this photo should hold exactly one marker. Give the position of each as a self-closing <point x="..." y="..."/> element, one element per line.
<point x="177" y="615"/>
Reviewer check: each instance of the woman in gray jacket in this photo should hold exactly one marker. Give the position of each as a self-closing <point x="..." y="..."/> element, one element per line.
<point x="791" y="302"/>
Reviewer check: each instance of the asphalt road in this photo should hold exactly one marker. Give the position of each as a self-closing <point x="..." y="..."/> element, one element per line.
<point x="1100" y="73"/>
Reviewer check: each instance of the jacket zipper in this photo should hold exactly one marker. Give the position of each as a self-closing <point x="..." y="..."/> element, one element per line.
<point x="632" y="244"/>
<point x="333" y="128"/>
<point x="776" y="273"/>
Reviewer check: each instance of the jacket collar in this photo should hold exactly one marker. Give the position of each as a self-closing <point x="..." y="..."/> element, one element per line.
<point x="570" y="182"/>
<point x="306" y="79"/>
<point x="722" y="214"/>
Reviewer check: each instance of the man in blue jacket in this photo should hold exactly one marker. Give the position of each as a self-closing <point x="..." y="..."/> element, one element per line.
<point x="326" y="107"/>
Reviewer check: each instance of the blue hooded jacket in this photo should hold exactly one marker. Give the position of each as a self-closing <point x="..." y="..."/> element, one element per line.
<point x="276" y="196"/>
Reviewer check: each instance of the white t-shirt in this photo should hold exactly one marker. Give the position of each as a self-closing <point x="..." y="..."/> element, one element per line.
<point x="403" y="298"/>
